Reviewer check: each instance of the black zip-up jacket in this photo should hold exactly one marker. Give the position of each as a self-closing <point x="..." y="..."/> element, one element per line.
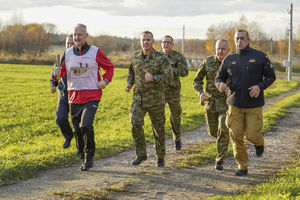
<point x="242" y="70"/>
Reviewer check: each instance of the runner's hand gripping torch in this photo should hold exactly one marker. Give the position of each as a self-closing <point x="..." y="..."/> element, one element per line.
<point x="57" y="67"/>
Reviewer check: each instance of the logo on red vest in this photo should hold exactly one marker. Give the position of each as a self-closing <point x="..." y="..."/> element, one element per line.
<point x="77" y="71"/>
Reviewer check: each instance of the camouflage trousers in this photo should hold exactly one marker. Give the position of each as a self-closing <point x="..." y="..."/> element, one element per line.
<point x="216" y="127"/>
<point x="173" y="100"/>
<point x="157" y="117"/>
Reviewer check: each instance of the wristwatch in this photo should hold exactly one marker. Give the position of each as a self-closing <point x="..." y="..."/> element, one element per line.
<point x="154" y="77"/>
<point x="106" y="81"/>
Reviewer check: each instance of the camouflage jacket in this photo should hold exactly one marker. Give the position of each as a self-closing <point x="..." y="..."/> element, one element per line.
<point x="179" y="68"/>
<point x="209" y="68"/>
<point x="149" y="93"/>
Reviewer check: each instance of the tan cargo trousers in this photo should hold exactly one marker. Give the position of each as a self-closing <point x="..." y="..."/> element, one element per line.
<point x="240" y="122"/>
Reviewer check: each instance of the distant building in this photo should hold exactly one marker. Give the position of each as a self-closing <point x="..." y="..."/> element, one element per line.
<point x="193" y="62"/>
<point x="56" y="47"/>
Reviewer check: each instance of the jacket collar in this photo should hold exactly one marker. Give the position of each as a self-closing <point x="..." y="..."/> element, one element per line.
<point x="243" y="51"/>
<point x="149" y="56"/>
<point x="81" y="51"/>
<point x="217" y="61"/>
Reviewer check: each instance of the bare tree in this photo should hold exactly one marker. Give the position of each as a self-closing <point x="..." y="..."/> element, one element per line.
<point x="227" y="30"/>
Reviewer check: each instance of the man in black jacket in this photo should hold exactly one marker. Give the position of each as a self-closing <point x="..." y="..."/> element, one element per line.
<point x="247" y="72"/>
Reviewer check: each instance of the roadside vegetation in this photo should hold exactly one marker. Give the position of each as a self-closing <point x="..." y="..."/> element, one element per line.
<point x="280" y="69"/>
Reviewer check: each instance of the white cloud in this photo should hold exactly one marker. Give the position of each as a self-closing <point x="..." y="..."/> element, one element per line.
<point x="133" y="3"/>
<point x="156" y="7"/>
<point x="130" y="17"/>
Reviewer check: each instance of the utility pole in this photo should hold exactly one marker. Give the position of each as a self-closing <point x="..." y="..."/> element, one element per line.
<point x="271" y="46"/>
<point x="183" y="32"/>
<point x="290" y="71"/>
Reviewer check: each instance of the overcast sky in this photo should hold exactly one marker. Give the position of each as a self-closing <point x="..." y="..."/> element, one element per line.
<point x="130" y="17"/>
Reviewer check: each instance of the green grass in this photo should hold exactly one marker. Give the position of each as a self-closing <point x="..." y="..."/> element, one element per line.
<point x="86" y="195"/>
<point x="278" y="66"/>
<point x="285" y="185"/>
<point x="102" y="194"/>
<point x="31" y="141"/>
<point x="198" y="154"/>
<point x="286" y="73"/>
<point x="280" y="86"/>
<point x="279" y="110"/>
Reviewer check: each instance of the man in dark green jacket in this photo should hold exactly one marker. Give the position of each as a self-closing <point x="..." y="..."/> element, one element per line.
<point x="214" y="101"/>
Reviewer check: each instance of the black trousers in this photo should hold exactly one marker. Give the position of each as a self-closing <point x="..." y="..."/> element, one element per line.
<point x="83" y="116"/>
<point x="62" y="116"/>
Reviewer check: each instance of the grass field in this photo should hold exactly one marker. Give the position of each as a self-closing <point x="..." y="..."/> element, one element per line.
<point x="31" y="141"/>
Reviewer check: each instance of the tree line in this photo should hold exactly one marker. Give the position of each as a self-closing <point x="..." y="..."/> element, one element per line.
<point x="36" y="39"/>
<point x="259" y="39"/>
<point x="21" y="39"/>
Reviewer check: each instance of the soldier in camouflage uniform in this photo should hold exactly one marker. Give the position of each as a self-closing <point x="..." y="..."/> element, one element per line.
<point x="214" y="101"/>
<point x="172" y="88"/>
<point x="148" y="71"/>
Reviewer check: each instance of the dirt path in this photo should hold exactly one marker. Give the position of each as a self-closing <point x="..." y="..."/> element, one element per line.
<point x="149" y="182"/>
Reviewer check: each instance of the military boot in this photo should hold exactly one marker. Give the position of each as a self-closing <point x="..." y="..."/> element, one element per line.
<point x="259" y="150"/>
<point x="160" y="162"/>
<point x="67" y="142"/>
<point x="139" y="160"/>
<point x="219" y="165"/>
<point x="178" y="145"/>
<point x="241" y="172"/>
